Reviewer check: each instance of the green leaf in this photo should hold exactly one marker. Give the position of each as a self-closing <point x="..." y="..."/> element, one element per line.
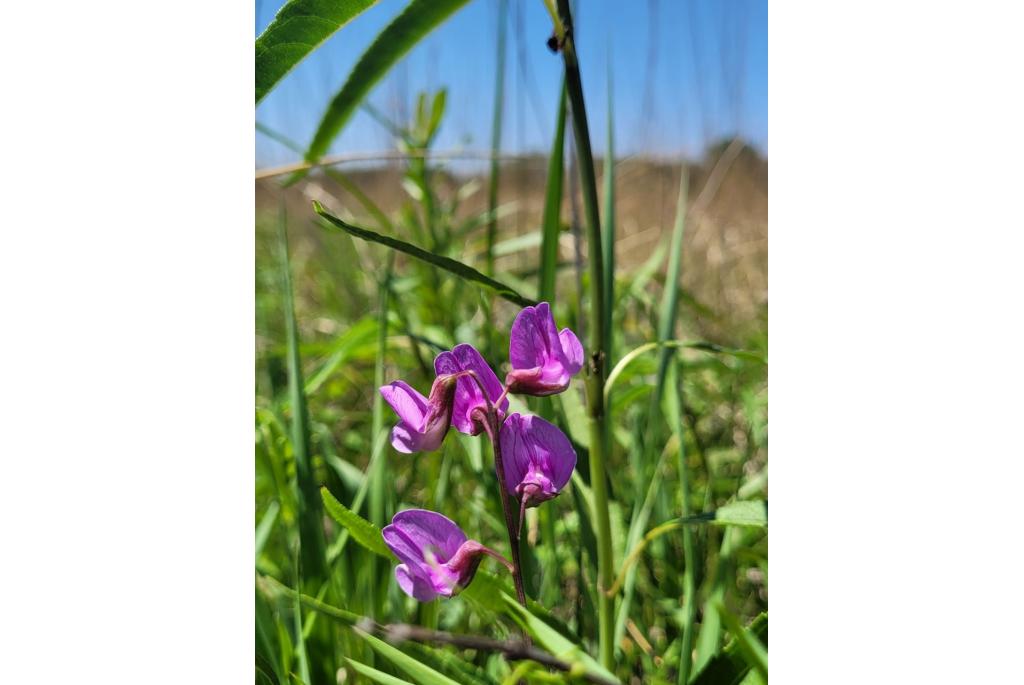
<point x="553" y="206"/>
<point x="730" y="666"/>
<point x="487" y="589"/>
<point x="416" y="670"/>
<point x="751" y="514"/>
<point x="749" y="646"/>
<point x="375" y="675"/>
<point x="450" y="265"/>
<point x="299" y="28"/>
<point x="553" y="641"/>
<point x="449" y="663"/>
<point x="416" y="21"/>
<point x="265" y="526"/>
<point x="361" y="530"/>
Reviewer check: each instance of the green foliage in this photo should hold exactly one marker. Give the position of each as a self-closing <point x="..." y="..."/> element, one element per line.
<point x="299" y="28"/>
<point x="450" y="265"/>
<point x="418" y="19"/>
<point x="361" y="530"/>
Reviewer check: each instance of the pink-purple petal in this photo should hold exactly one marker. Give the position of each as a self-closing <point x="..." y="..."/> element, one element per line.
<point x="537" y="454"/>
<point x="573" y="351"/>
<point x="429" y="529"/>
<point x="413" y="585"/>
<point x="410" y="406"/>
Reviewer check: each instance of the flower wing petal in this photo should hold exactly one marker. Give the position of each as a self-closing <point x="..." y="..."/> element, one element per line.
<point x="413" y="585"/>
<point x="410" y="406"/>
<point x="572" y="349"/>
<point x="515" y="455"/>
<point x="429" y="530"/>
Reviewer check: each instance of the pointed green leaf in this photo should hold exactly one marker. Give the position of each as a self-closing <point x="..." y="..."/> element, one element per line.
<point x="487" y="589"/>
<point x="418" y="19"/>
<point x="375" y="675"/>
<point x="299" y="28"/>
<point x="361" y="530"/>
<point x="729" y="667"/>
<point x="755" y="653"/>
<point x="553" y="641"/>
<point x="751" y="514"/>
<point x="416" y="670"/>
<point x="450" y="265"/>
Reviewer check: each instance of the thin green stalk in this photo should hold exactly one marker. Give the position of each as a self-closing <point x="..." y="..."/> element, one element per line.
<point x="378" y="471"/>
<point x="675" y="411"/>
<point x="599" y="434"/>
<point x="499" y="104"/>
<point x="553" y="207"/>
<point x="609" y="225"/>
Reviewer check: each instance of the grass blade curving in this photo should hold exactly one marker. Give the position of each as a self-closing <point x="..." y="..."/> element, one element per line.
<point x="448" y="264"/>
<point x="418" y="19"/>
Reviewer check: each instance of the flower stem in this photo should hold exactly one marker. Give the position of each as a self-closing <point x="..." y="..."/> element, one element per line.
<point x="599" y="436"/>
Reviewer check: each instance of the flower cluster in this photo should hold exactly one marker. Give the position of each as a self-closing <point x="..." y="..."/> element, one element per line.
<point x="533" y="458"/>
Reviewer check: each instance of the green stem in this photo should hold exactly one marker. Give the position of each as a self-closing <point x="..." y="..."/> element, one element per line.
<point x="599" y="434"/>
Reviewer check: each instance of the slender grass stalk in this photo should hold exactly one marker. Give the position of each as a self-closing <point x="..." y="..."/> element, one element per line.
<point x="675" y="411"/>
<point x="609" y="225"/>
<point x="499" y="105"/>
<point x="599" y="434"/>
<point x="378" y="472"/>
<point x="553" y="206"/>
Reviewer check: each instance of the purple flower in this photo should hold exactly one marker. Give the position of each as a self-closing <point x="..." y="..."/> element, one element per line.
<point x="423" y="421"/>
<point x="537" y="458"/>
<point x="437" y="558"/>
<point x="543" y="360"/>
<point x="468" y="395"/>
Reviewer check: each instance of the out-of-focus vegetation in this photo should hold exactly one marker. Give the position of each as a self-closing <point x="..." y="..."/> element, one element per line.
<point x="337" y="316"/>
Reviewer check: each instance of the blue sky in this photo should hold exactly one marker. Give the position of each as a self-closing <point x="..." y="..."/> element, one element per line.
<point x="703" y="76"/>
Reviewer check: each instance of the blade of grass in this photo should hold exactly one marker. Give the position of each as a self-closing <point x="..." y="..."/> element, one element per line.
<point x="552" y="227"/>
<point x="265" y="526"/>
<point x="753" y="651"/>
<point x="635" y="353"/>
<point x="499" y="105"/>
<point x="729" y="667"/>
<point x="416" y="670"/>
<point x="609" y="225"/>
<point x="450" y="265"/>
<point x="298" y="29"/>
<point x="418" y="19"/>
<point x="375" y="675"/>
<point x="311" y="535"/>
<point x="599" y="434"/>
<point x="711" y="626"/>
